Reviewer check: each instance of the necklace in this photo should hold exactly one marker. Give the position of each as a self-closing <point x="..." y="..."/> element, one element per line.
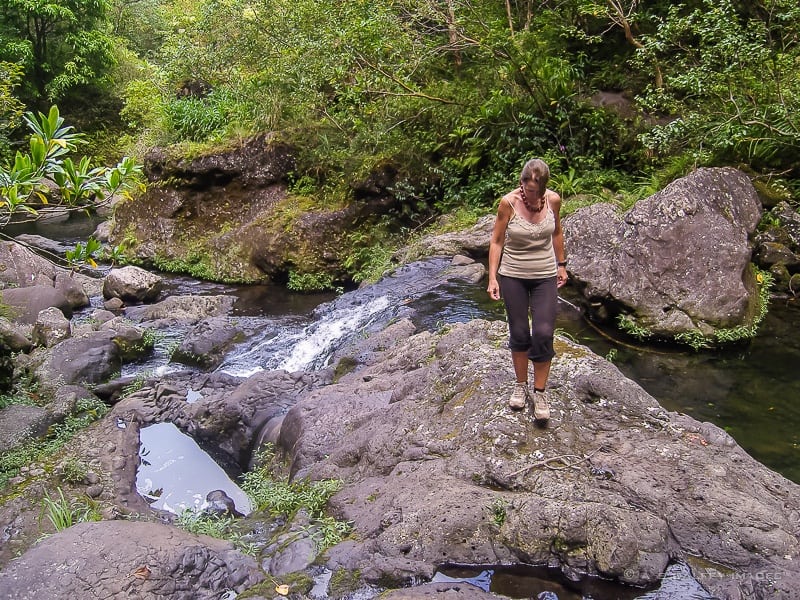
<point x="528" y="205"/>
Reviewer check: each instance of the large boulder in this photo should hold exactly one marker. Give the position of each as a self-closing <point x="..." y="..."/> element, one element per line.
<point x="26" y="303"/>
<point x="20" y="267"/>
<point x="677" y="262"/>
<point x="437" y="469"/>
<point x="112" y="559"/>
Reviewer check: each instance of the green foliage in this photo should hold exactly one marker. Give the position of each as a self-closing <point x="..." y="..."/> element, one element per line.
<point x="87" y="411"/>
<point x="727" y="335"/>
<point x="729" y="79"/>
<point x="63" y="513"/>
<point x="497" y="510"/>
<point x="61" y="45"/>
<point x="628" y="324"/>
<point x="24" y="184"/>
<point x="217" y="526"/>
<point x="279" y="496"/>
<point x="84" y="253"/>
<point x="74" y="471"/>
<point x="310" y="282"/>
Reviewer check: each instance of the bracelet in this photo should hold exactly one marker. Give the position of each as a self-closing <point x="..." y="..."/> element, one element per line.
<point x="562" y="263"/>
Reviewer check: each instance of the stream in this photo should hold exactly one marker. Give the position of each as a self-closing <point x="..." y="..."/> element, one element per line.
<point x="748" y="390"/>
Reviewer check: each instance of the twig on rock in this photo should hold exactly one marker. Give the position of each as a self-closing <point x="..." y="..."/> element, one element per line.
<point x="562" y="458"/>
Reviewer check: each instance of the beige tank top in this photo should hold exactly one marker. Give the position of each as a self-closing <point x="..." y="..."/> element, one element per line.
<point x="528" y="248"/>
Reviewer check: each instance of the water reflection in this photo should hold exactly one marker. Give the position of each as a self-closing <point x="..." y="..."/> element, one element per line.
<point x="175" y="474"/>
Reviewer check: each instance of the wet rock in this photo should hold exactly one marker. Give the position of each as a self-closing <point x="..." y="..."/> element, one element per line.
<point x="448" y="591"/>
<point x="219" y="503"/>
<point x="207" y="343"/>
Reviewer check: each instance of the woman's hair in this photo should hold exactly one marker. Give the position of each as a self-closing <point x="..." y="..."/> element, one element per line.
<point x="536" y="172"/>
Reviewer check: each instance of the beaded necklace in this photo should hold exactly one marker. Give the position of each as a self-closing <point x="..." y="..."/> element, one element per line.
<point x="527" y="204"/>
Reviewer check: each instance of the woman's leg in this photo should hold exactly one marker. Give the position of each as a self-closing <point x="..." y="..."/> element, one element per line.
<point x="515" y="297"/>
<point x="543" y="307"/>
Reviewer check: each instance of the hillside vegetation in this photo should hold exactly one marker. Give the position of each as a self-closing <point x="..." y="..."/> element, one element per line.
<point x="451" y="95"/>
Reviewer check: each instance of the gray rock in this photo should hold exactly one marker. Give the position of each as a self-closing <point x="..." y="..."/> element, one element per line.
<point x="20" y="424"/>
<point x="132" y="284"/>
<point x="85" y="360"/>
<point x="26" y="303"/>
<point x="20" y="267"/>
<point x="15" y="336"/>
<point x="111" y="559"/>
<point x="677" y="261"/>
<point x="187" y="309"/>
<point x="51" y="327"/>
<point x="208" y="342"/>
<point x="436" y="469"/>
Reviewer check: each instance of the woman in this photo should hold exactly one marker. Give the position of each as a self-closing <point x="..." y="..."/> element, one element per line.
<point x="527" y="264"/>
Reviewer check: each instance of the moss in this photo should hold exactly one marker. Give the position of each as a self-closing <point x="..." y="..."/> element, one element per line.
<point x="344" y="582"/>
<point x="345" y="365"/>
<point x="299" y="582"/>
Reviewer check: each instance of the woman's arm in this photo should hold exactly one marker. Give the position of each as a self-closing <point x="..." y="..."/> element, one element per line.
<point x="504" y="212"/>
<point x="558" y="238"/>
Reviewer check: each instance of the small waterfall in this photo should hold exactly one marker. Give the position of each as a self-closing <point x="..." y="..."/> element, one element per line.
<point x="308" y="343"/>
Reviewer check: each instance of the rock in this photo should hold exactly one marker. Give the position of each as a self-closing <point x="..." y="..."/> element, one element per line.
<point x="132" y="284"/>
<point x="20" y="267"/>
<point x="111" y="559"/>
<point x="474" y="242"/>
<point x="85" y="360"/>
<point x="187" y="309"/>
<point x="20" y="424"/>
<point x="207" y="344"/>
<point x="26" y="303"/>
<point x="436" y="469"/>
<point x="440" y="591"/>
<point x="51" y="328"/>
<point x="38" y="242"/>
<point x="677" y="262"/>
<point x="14" y="336"/>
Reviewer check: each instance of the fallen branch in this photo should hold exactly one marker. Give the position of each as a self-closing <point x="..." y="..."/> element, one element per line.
<point x="562" y="458"/>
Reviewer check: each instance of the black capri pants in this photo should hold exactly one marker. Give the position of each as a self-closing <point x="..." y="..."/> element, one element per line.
<point x="531" y="306"/>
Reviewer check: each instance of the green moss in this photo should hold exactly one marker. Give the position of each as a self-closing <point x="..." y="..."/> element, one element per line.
<point x="345" y="365"/>
<point x="299" y="583"/>
<point x="344" y="582"/>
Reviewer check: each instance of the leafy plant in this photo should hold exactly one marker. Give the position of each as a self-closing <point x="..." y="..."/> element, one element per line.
<point x="24" y="184"/>
<point x="629" y="325"/>
<point x="283" y="497"/>
<point x="86" y="412"/>
<point x="63" y="513"/>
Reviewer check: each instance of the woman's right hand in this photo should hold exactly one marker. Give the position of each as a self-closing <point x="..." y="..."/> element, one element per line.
<point x="493" y="289"/>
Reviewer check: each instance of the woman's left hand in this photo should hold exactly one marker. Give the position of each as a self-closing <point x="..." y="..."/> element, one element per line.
<point x="561" y="277"/>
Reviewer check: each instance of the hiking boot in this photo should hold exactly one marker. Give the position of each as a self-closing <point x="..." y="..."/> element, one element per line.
<point x="541" y="409"/>
<point x="519" y="397"/>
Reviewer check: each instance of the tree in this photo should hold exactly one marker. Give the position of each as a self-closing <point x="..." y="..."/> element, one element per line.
<point x="60" y="44"/>
<point x="730" y="81"/>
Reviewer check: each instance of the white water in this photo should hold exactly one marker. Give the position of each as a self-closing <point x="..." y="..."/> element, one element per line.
<point x="294" y="349"/>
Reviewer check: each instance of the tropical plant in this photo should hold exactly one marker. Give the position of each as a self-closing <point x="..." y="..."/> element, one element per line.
<point x="24" y="184"/>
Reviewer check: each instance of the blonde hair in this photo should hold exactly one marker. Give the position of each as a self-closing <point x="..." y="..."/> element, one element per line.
<point x="537" y="172"/>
